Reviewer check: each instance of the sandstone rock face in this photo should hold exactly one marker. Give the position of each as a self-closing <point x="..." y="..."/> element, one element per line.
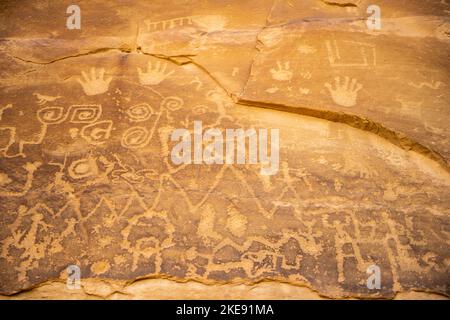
<point x="87" y="177"/>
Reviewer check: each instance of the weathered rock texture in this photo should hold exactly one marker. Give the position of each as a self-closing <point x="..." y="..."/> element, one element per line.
<point x="85" y="171"/>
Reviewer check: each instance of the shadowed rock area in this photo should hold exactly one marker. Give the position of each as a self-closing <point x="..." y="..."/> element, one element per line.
<point x="87" y="177"/>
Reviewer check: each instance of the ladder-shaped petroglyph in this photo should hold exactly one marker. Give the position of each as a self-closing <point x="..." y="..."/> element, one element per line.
<point x="207" y="23"/>
<point x="363" y="55"/>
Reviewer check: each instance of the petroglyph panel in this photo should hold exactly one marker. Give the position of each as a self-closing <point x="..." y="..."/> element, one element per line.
<point x="374" y="77"/>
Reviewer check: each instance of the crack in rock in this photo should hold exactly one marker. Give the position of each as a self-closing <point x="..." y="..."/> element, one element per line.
<point x="340" y="4"/>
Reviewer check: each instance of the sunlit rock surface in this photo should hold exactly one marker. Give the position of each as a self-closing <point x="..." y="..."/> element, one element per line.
<point x="87" y="179"/>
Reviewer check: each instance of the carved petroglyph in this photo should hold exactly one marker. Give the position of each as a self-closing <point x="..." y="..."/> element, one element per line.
<point x="306" y="75"/>
<point x="283" y="72"/>
<point x="99" y="190"/>
<point x="140" y="112"/>
<point x="30" y="168"/>
<point x="12" y="139"/>
<point x="255" y="256"/>
<point x="84" y="113"/>
<point x="434" y="85"/>
<point x="172" y="103"/>
<point x="132" y="174"/>
<point x="88" y="171"/>
<point x="98" y="132"/>
<point x="83" y="168"/>
<point x="345" y="92"/>
<point x="138" y="137"/>
<point x="222" y="103"/>
<point x="236" y="222"/>
<point x="167" y="24"/>
<point x="10" y="134"/>
<point x="304" y="91"/>
<point x="2" y="109"/>
<point x="43" y="99"/>
<point x="94" y="83"/>
<point x="198" y="83"/>
<point x="306" y="49"/>
<point x="155" y="75"/>
<point x="365" y="54"/>
<point x="207" y="23"/>
<point x="51" y="115"/>
<point x="135" y="137"/>
<point x="410" y="107"/>
<point x="272" y="90"/>
<point x="32" y="249"/>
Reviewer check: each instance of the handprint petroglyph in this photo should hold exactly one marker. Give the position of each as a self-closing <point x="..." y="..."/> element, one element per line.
<point x="344" y="93"/>
<point x="283" y="72"/>
<point x="95" y="84"/>
<point x="154" y="76"/>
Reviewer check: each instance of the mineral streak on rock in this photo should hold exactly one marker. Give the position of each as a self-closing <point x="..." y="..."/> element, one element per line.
<point x="86" y="176"/>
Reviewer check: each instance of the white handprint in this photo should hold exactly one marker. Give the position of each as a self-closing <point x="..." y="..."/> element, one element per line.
<point x="94" y="84"/>
<point x="283" y="73"/>
<point x="153" y="76"/>
<point x="346" y="93"/>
